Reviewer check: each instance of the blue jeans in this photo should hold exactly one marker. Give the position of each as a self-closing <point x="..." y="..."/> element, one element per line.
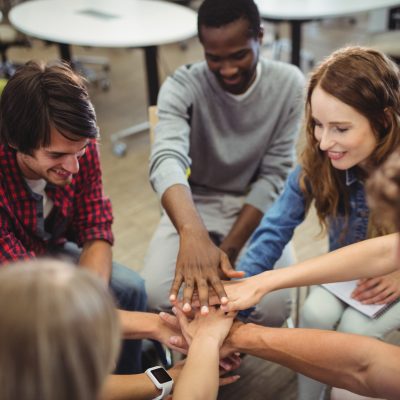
<point x="128" y="289"/>
<point x="130" y="294"/>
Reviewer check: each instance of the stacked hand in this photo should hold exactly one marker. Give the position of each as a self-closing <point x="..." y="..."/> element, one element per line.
<point x="215" y="325"/>
<point x="199" y="266"/>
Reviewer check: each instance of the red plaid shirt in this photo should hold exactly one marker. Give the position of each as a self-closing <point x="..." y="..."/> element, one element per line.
<point x="80" y="213"/>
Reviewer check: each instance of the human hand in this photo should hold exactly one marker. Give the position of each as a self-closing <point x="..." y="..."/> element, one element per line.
<point x="216" y="324"/>
<point x="228" y="361"/>
<point x="381" y="290"/>
<point x="168" y="326"/>
<point x="197" y="267"/>
<point x="243" y="294"/>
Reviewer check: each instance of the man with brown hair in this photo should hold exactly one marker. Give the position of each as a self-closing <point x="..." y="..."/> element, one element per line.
<point x="51" y="192"/>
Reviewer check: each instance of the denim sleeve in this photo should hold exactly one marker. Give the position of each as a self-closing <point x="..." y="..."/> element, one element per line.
<point x="276" y="228"/>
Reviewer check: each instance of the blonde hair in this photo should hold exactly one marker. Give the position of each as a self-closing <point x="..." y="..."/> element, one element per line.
<point x="59" y="335"/>
<point x="368" y="81"/>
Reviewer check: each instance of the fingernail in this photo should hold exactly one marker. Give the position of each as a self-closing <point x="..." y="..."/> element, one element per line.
<point x="186" y="307"/>
<point x="174" y="310"/>
<point x="173" y="340"/>
<point x="204" y="310"/>
<point x="162" y="313"/>
<point x="224" y="300"/>
<point x="172" y="297"/>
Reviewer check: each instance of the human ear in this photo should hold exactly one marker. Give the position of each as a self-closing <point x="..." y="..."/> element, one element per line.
<point x="260" y="34"/>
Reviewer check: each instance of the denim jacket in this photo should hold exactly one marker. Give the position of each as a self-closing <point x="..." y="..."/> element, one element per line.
<point x="279" y="222"/>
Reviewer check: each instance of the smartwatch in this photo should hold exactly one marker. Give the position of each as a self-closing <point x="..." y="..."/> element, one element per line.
<point x="161" y="379"/>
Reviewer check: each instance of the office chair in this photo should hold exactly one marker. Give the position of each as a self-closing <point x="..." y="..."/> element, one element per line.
<point x="9" y="37"/>
<point x="94" y="68"/>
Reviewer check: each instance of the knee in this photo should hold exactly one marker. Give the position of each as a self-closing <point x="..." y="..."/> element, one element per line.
<point x="313" y="316"/>
<point x="273" y="310"/>
<point x="355" y="325"/>
<point x="157" y="295"/>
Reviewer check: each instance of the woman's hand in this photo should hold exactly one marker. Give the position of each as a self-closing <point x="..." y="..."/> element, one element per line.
<point x="243" y="293"/>
<point x="216" y="324"/>
<point x="381" y="290"/>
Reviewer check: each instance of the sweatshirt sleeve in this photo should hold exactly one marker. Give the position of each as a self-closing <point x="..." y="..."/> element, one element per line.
<point x="276" y="229"/>
<point x="280" y="155"/>
<point x="169" y="159"/>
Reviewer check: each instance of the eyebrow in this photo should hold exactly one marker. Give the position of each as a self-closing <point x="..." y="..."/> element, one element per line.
<point x="60" y="153"/>
<point x="334" y="122"/>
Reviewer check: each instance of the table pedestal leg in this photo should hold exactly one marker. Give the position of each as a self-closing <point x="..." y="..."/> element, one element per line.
<point x="65" y="52"/>
<point x="153" y="83"/>
<point x="296" y="42"/>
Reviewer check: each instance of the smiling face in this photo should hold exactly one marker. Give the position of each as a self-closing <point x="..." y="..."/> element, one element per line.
<point x="343" y="133"/>
<point x="56" y="163"/>
<point x="232" y="54"/>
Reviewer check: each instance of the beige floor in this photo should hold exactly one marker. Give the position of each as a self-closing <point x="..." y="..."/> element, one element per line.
<point x="135" y="205"/>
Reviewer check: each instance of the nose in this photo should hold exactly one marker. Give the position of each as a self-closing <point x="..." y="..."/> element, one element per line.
<point x="228" y="70"/>
<point x="325" y="140"/>
<point x="71" y="164"/>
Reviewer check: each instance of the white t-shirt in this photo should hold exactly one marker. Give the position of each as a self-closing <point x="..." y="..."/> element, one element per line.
<point x="37" y="186"/>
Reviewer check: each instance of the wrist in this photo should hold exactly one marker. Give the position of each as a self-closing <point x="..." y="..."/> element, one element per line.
<point x="207" y="340"/>
<point x="189" y="234"/>
<point x="233" y="340"/>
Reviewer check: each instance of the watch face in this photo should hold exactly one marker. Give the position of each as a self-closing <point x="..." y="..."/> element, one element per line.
<point x="161" y="375"/>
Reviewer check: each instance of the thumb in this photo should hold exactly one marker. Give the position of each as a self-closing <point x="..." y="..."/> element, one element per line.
<point x="233" y="306"/>
<point x="182" y="319"/>
<point x="232" y="273"/>
<point x="227" y="269"/>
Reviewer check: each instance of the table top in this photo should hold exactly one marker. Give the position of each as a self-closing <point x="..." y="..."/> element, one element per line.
<point x="303" y="10"/>
<point x="105" y="23"/>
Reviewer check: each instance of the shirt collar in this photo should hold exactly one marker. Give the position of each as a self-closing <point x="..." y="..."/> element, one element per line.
<point x="351" y="176"/>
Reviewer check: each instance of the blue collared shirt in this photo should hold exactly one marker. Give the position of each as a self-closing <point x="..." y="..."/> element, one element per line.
<point x="279" y="222"/>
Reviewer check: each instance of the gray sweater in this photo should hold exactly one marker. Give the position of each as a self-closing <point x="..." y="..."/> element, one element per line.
<point x="235" y="146"/>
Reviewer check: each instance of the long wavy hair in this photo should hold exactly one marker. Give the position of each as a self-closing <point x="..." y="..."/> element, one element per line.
<point x="367" y="81"/>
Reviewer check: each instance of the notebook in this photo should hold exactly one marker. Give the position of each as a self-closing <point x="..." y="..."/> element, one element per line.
<point x="343" y="291"/>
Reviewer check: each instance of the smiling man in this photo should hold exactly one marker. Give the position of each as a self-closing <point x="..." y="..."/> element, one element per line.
<point x="51" y="193"/>
<point x="223" y="147"/>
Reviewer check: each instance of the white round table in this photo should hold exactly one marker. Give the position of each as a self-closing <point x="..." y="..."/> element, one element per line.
<point x="296" y="12"/>
<point x="108" y="23"/>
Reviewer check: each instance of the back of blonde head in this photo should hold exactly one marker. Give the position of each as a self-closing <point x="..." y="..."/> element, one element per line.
<point x="59" y="335"/>
<point x="368" y="81"/>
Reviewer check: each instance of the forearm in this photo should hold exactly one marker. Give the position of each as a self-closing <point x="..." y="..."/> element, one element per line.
<point x="129" y="387"/>
<point x="139" y="325"/>
<point x="373" y="257"/>
<point x="359" y="364"/>
<point x="178" y="203"/>
<point x="200" y="375"/>
<point x="247" y="221"/>
<point x="97" y="256"/>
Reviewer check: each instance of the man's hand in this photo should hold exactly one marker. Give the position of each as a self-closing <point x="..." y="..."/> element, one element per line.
<point x="198" y="264"/>
<point x="381" y="290"/>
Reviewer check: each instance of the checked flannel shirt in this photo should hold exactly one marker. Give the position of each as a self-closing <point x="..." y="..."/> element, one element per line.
<point x="80" y="213"/>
